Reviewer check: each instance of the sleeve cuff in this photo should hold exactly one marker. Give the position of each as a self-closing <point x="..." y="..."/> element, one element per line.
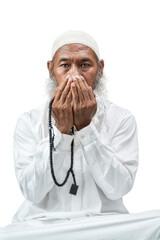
<point x="88" y="134"/>
<point x="61" y="140"/>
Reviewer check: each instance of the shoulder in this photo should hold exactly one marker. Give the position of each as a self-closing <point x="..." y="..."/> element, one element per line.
<point x="118" y="112"/>
<point x="115" y="115"/>
<point x="32" y="117"/>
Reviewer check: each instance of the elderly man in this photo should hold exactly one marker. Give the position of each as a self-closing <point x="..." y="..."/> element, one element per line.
<point x="76" y="155"/>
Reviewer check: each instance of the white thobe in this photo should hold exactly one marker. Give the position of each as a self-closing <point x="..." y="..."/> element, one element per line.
<point x="105" y="164"/>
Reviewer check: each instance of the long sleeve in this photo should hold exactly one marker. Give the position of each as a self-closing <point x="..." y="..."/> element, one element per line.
<point x="113" y="165"/>
<point x="31" y="159"/>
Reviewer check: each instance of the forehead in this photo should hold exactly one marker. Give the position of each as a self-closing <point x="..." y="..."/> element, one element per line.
<point x="74" y="50"/>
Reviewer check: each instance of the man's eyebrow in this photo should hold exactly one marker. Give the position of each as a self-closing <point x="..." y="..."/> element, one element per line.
<point x="81" y="60"/>
<point x="63" y="60"/>
<point x="86" y="60"/>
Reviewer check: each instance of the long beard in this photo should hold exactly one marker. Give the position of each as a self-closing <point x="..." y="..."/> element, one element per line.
<point x="100" y="86"/>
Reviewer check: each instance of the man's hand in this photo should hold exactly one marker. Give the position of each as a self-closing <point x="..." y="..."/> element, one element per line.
<point x="84" y="102"/>
<point x="61" y="106"/>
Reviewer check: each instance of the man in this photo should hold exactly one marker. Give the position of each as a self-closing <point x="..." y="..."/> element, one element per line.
<point x="105" y="140"/>
<point x="105" y="152"/>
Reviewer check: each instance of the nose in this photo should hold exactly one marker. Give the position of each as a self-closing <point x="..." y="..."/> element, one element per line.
<point x="74" y="70"/>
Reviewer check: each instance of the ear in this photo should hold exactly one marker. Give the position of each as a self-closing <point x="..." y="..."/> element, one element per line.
<point x="102" y="66"/>
<point x="49" y="65"/>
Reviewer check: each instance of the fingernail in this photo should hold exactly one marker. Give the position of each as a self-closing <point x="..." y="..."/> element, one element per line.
<point x="74" y="78"/>
<point x="69" y="80"/>
<point x="67" y="76"/>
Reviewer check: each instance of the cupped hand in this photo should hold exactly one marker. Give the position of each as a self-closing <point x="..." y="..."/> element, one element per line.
<point x="84" y="102"/>
<point x="61" y="106"/>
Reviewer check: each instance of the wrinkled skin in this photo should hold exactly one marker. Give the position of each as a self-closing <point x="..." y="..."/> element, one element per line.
<point x="75" y="69"/>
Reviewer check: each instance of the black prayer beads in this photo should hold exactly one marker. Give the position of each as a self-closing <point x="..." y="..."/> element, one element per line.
<point x="74" y="187"/>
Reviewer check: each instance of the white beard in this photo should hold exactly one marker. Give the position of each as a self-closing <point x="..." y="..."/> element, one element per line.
<point x="100" y="89"/>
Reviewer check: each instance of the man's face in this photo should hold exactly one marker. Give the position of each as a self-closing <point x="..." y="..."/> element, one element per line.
<point x="75" y="59"/>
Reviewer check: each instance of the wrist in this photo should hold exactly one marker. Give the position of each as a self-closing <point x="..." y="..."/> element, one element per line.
<point x="63" y="130"/>
<point x="66" y="132"/>
<point x="80" y="126"/>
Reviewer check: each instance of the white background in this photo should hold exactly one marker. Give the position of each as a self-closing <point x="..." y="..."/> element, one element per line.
<point x="128" y="34"/>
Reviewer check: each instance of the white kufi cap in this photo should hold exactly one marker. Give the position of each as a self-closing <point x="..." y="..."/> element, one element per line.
<point x="73" y="36"/>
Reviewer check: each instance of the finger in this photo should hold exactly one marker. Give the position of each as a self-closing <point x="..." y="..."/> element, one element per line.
<point x="89" y="87"/>
<point x="69" y="97"/>
<point x="74" y="93"/>
<point x="85" y="88"/>
<point x="89" y="91"/>
<point x="61" y="87"/>
<point x="65" y="92"/>
<point x="92" y="94"/>
<point x="80" y="92"/>
<point x="80" y="89"/>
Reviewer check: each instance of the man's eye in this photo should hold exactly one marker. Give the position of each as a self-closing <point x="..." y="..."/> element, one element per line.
<point x="65" y="65"/>
<point x="84" y="65"/>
